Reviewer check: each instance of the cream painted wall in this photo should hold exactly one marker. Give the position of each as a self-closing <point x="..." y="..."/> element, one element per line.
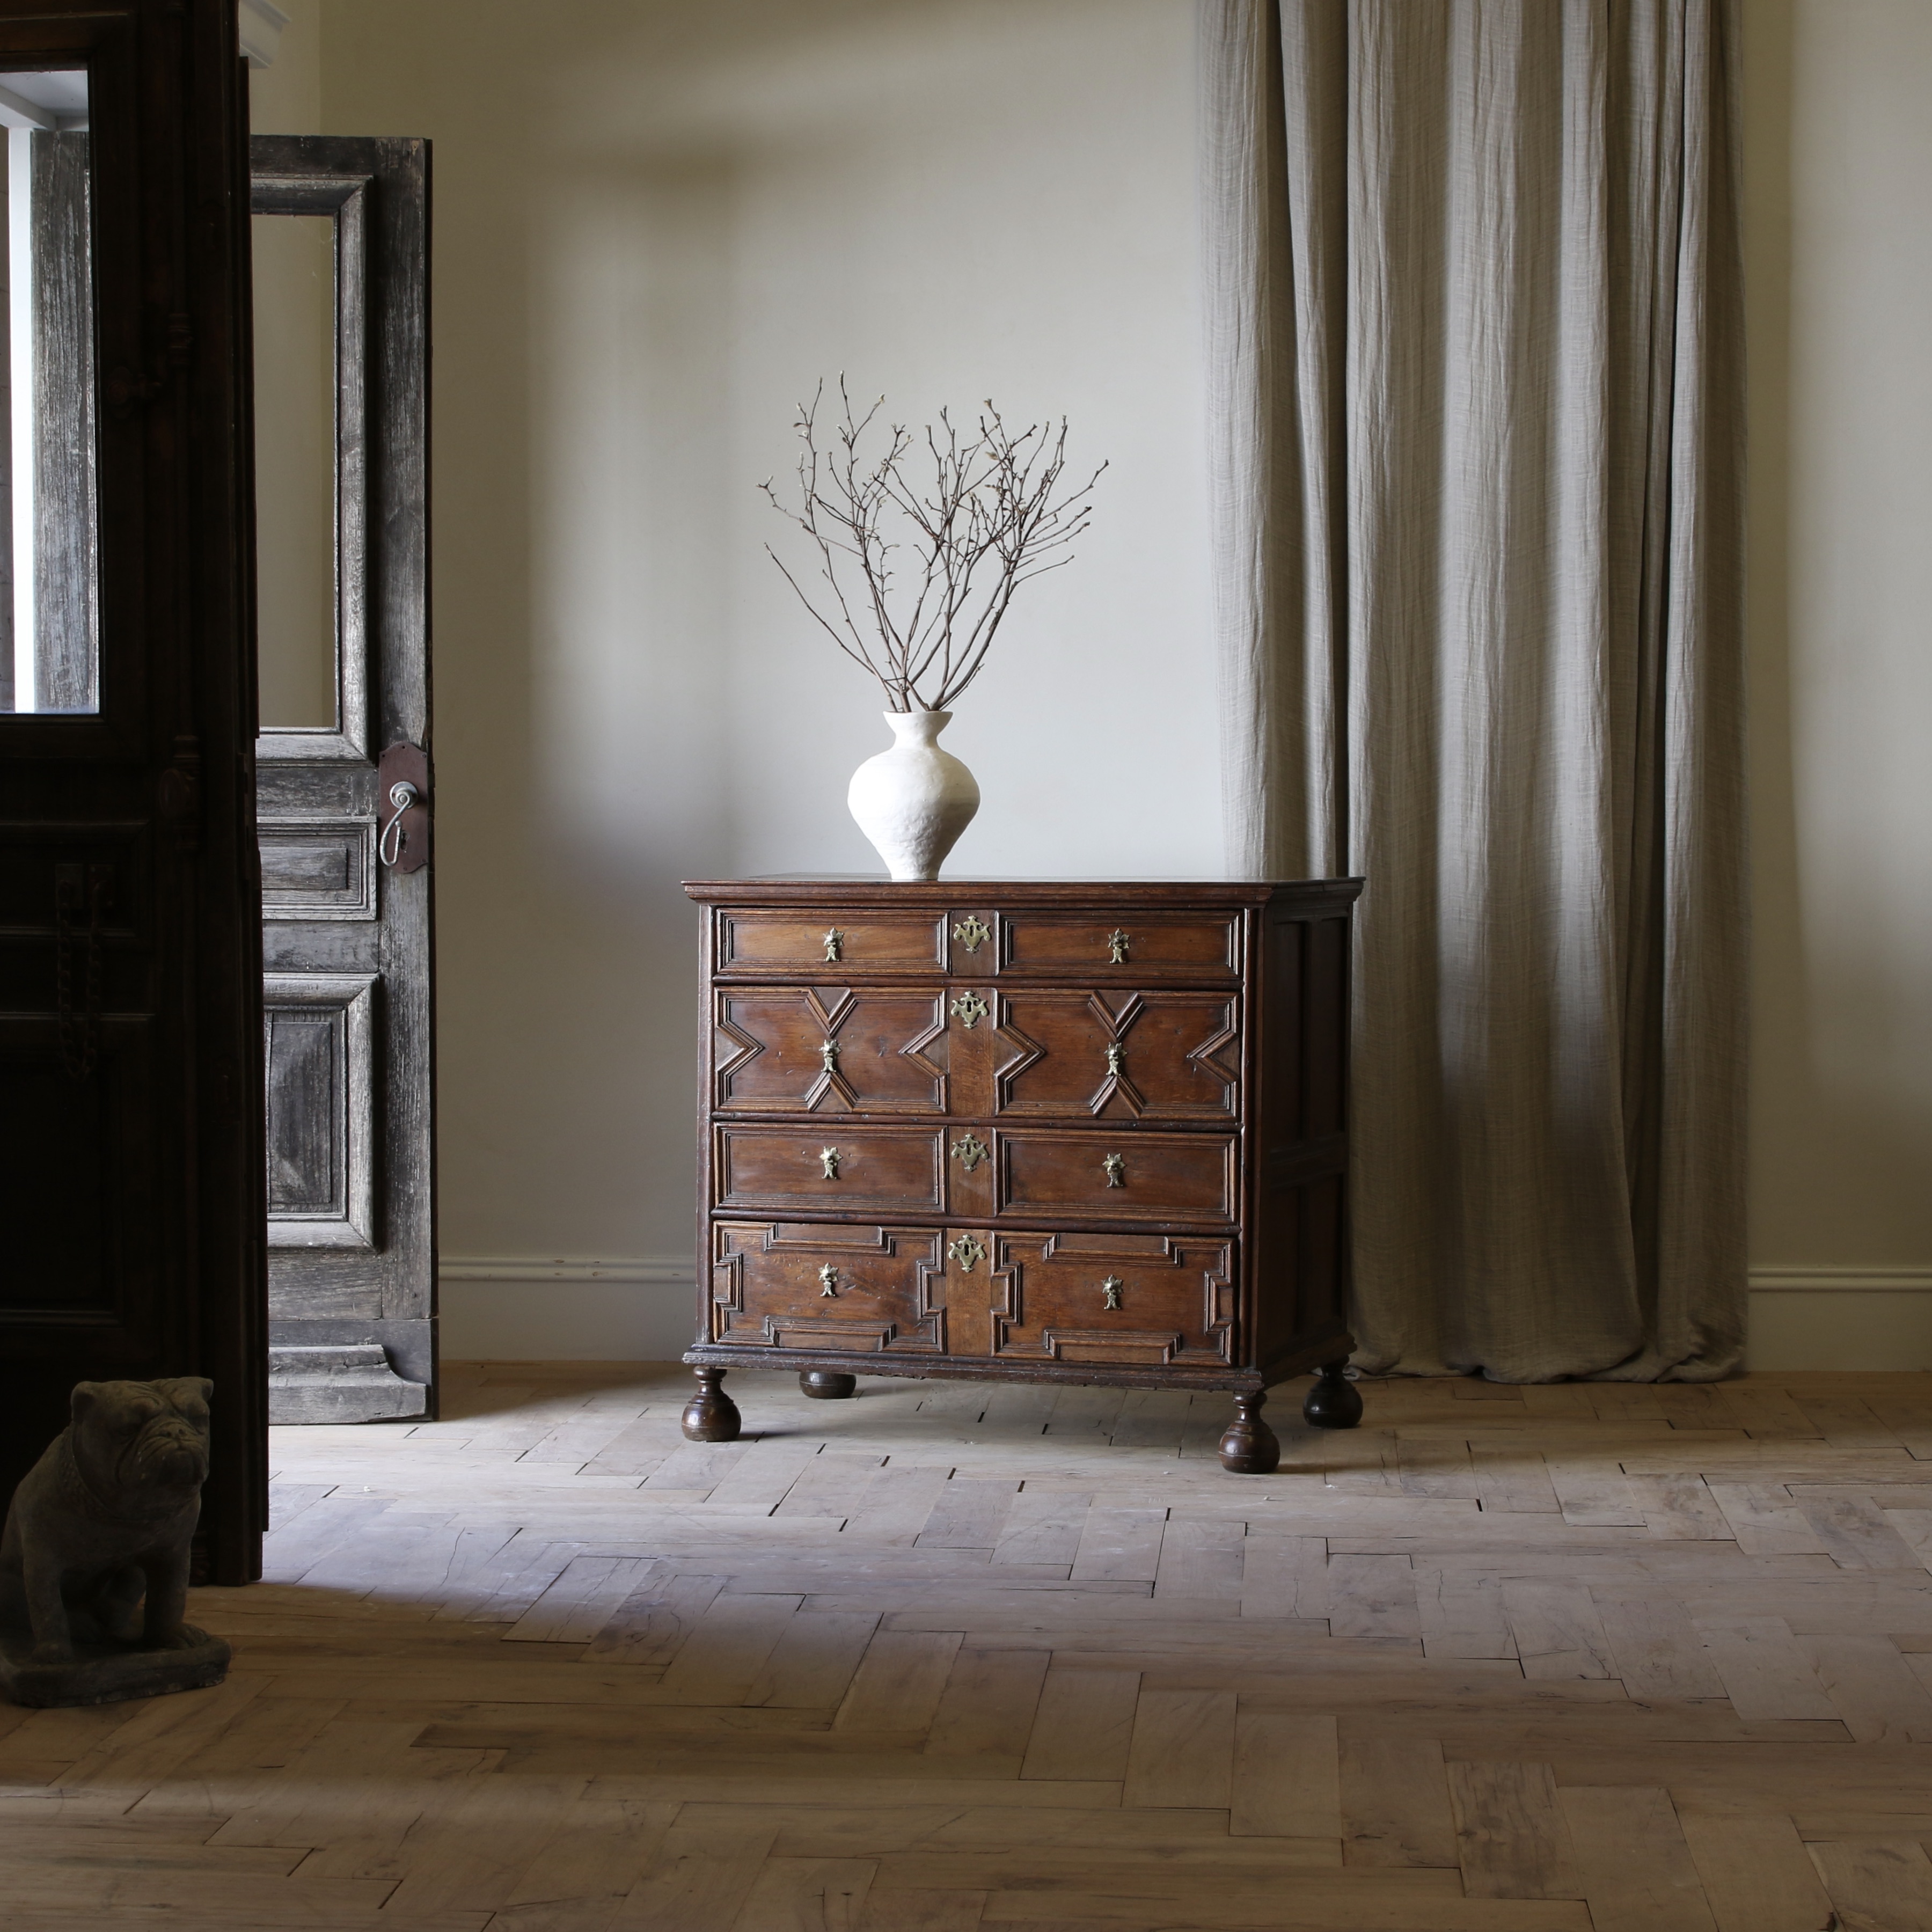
<point x="294" y="422"/>
<point x="285" y="98"/>
<point x="658" y="222"/>
<point x="1838" y="145"/>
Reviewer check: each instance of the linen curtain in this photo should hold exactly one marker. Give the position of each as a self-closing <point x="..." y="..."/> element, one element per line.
<point x="1476" y="375"/>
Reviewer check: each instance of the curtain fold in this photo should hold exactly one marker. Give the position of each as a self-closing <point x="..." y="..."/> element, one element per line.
<point x="1476" y="376"/>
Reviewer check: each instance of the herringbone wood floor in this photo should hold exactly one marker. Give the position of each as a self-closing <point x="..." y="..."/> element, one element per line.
<point x="1537" y="1660"/>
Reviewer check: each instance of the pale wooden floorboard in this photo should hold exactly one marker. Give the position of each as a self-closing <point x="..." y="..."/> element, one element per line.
<point x="1578" y="1658"/>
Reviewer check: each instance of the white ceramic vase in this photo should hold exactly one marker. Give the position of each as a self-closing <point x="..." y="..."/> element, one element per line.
<point x="914" y="801"/>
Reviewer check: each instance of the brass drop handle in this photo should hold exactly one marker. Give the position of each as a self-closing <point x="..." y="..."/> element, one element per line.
<point x="1115" y="1054"/>
<point x="834" y="939"/>
<point x="1114" y="1167"/>
<point x="830" y="1157"/>
<point x="828" y="1281"/>
<point x="1117" y="944"/>
<point x="828" y="1056"/>
<point x="1110" y="1292"/>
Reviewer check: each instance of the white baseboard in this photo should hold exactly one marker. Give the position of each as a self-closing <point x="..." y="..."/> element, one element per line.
<point x="539" y="1267"/>
<point x="562" y="1308"/>
<point x="540" y="1308"/>
<point x="1841" y="1280"/>
<point x="1821" y="1317"/>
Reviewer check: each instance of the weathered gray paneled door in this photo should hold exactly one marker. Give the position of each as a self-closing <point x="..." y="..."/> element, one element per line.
<point x="343" y="786"/>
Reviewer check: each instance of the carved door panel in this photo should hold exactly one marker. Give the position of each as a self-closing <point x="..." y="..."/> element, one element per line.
<point x="1119" y="1056"/>
<point x="130" y="1126"/>
<point x="341" y="269"/>
<point x="823" y="1049"/>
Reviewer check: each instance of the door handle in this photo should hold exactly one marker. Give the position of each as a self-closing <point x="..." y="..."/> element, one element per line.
<point x="403" y="808"/>
<point x="389" y="847"/>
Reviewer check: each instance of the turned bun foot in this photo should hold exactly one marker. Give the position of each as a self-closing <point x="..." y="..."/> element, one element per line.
<point x="711" y="1415"/>
<point x="827" y="1384"/>
<point x="1250" y="1448"/>
<point x="1334" y="1401"/>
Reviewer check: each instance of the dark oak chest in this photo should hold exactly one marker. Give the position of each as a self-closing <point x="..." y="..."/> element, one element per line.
<point x="1088" y="1132"/>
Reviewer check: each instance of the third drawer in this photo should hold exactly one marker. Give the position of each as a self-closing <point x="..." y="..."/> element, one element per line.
<point x="1118" y="1177"/>
<point x="1090" y="1174"/>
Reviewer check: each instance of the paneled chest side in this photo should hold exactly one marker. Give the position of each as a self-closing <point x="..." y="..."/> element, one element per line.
<point x="1057" y="1132"/>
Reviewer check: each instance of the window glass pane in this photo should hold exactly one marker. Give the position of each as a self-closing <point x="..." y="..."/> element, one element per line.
<point x="48" y="603"/>
<point x="295" y="470"/>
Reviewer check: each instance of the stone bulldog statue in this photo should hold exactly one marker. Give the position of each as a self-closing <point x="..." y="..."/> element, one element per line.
<point x="93" y="1561"/>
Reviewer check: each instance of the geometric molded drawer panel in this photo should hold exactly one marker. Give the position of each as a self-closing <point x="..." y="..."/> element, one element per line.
<point x="1140" y="1299"/>
<point x="801" y="1049"/>
<point x="1152" y="1056"/>
<point x="318" y="868"/>
<point x="319" y="1036"/>
<point x="802" y="1286"/>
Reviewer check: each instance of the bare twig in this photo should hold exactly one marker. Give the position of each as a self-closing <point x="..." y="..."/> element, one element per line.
<point x="990" y="520"/>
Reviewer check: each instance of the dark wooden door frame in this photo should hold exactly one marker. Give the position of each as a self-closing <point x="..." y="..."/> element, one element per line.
<point x="158" y="786"/>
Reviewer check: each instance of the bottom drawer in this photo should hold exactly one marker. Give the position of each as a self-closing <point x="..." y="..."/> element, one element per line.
<point x="1127" y="1300"/>
<point x="795" y="1285"/>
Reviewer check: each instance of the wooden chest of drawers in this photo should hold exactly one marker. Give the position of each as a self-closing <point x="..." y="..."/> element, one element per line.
<point x="1058" y="1132"/>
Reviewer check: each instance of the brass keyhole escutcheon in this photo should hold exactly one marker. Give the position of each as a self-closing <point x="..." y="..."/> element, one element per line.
<point x="1110" y="1292"/>
<point x="1118" y="943"/>
<point x="968" y="1251"/>
<point x="970" y="1010"/>
<point x="1114" y="1166"/>
<point x="1114" y="1056"/>
<point x="972" y="932"/>
<point x="828" y="1281"/>
<point x="829" y="1157"/>
<point x="969" y="1151"/>
<point x="828" y="1056"/>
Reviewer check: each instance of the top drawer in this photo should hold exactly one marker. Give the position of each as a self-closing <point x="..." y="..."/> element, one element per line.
<point x="1122" y="944"/>
<point x="781" y="942"/>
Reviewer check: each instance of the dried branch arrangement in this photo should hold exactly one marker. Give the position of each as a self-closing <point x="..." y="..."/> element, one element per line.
<point x="993" y="516"/>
